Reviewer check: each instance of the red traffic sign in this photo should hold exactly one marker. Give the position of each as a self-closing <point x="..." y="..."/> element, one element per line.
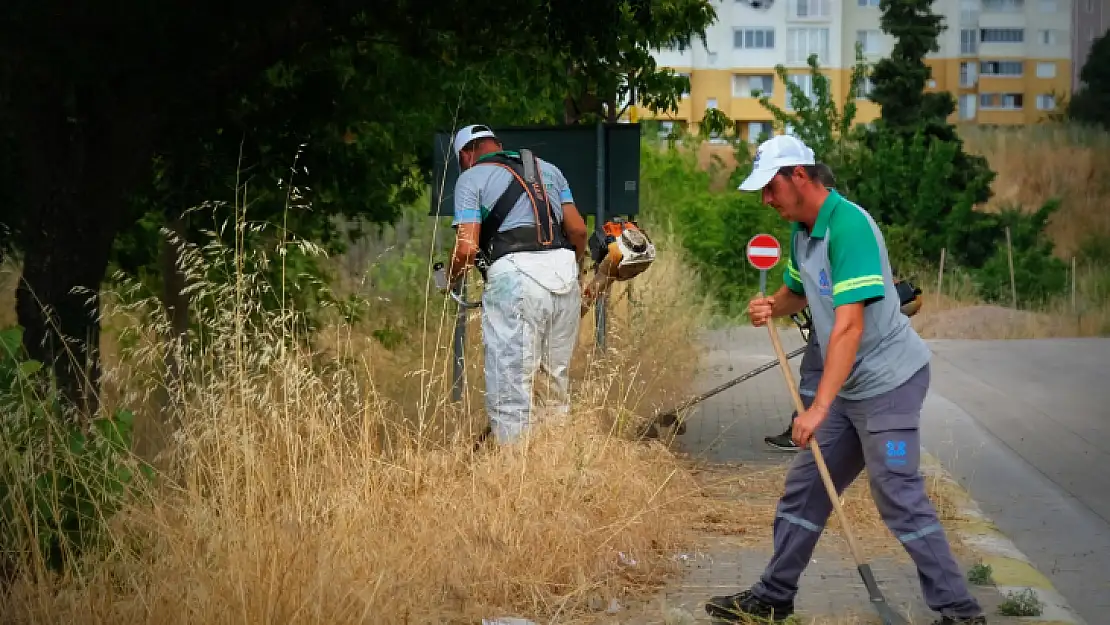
<point x="764" y="251"/>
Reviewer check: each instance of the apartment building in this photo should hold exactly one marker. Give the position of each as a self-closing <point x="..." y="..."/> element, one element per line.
<point x="1090" y="20"/>
<point x="1005" y="61"/>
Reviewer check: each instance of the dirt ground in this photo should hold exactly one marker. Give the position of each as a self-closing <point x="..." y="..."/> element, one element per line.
<point x="992" y="322"/>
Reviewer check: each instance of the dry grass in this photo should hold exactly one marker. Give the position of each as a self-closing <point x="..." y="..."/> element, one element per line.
<point x="330" y="480"/>
<point x="956" y="312"/>
<point x="739" y="502"/>
<point x="1037" y="163"/>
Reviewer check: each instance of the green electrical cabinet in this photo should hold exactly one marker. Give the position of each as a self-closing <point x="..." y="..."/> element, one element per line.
<point x="574" y="150"/>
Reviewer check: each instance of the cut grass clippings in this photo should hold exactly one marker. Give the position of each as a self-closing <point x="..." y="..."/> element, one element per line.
<point x="739" y="502"/>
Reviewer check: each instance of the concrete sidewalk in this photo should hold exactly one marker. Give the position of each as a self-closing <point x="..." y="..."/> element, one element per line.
<point x="728" y="430"/>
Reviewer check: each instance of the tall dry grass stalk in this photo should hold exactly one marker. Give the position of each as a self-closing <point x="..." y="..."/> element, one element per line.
<point x="326" y="479"/>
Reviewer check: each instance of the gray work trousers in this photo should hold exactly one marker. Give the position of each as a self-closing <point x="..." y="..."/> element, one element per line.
<point x="881" y="434"/>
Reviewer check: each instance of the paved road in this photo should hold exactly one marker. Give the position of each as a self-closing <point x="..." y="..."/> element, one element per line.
<point x="729" y="428"/>
<point x="1025" y="426"/>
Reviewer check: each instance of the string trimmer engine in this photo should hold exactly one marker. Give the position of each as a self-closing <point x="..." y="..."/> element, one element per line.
<point x="621" y="251"/>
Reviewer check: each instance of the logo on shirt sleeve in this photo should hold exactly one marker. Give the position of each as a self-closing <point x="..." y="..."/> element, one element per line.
<point x="824" y="285"/>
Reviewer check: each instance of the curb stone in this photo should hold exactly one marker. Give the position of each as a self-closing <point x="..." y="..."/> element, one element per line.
<point x="1011" y="569"/>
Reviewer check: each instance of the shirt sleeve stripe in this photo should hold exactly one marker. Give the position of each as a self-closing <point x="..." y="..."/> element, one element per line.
<point x="467" y="216"/>
<point x="857" y="283"/>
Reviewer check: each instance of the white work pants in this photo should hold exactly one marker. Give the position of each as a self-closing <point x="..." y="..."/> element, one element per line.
<point x="528" y="329"/>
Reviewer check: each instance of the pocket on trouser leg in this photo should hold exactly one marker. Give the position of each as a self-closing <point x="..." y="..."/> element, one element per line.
<point x="897" y="409"/>
<point x="898" y="451"/>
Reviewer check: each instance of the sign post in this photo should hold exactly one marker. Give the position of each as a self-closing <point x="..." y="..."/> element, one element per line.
<point x="763" y="253"/>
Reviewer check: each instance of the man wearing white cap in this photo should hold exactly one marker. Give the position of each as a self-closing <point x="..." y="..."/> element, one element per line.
<point x="517" y="217"/>
<point x="867" y="408"/>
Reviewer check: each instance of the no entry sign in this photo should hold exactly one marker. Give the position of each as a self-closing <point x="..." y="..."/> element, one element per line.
<point x="764" y="252"/>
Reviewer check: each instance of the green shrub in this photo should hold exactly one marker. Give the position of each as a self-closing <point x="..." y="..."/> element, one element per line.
<point x="61" y="480"/>
<point x="713" y="226"/>
<point x="1038" y="275"/>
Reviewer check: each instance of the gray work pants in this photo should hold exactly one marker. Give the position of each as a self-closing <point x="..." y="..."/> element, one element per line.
<point x="881" y="434"/>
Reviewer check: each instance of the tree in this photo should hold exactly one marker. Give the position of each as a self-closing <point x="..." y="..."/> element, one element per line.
<point x="817" y="121"/>
<point x="92" y="100"/>
<point x="914" y="135"/>
<point x="1091" y="102"/>
<point x="899" y="80"/>
<point x="621" y="71"/>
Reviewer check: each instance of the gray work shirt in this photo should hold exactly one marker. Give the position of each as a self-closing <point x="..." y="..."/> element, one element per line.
<point x="843" y="261"/>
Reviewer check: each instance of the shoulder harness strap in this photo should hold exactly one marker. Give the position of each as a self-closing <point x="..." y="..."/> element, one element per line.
<point x="526" y="176"/>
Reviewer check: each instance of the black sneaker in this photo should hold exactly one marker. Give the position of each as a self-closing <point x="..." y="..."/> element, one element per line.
<point x="744" y="606"/>
<point x="969" y="620"/>
<point x="781" y="441"/>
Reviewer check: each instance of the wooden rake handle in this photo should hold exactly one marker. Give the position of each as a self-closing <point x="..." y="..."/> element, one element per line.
<point x="857" y="555"/>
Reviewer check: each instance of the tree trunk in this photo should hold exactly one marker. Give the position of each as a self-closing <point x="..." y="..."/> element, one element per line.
<point x="66" y="250"/>
<point x="82" y="149"/>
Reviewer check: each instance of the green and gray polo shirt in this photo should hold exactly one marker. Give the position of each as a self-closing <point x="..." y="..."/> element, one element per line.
<point x="843" y="261"/>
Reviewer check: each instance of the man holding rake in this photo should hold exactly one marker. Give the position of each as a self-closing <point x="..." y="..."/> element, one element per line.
<point x="867" y="409"/>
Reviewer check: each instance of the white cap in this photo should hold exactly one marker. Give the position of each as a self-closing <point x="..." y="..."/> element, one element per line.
<point x="470" y="133"/>
<point x="776" y="152"/>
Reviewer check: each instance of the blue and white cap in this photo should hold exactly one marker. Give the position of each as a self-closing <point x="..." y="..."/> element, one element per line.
<point x="774" y="153"/>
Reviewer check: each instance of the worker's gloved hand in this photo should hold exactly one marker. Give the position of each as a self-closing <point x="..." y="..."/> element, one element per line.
<point x="759" y="310"/>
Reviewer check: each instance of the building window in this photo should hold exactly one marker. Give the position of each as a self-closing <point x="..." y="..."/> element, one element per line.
<point x="805" y="81"/>
<point x="1000" y="68"/>
<point x="969" y="42"/>
<point x="754" y="38"/>
<point x="1047" y="6"/>
<point x="809" y="8"/>
<point x="1046" y="102"/>
<point x="870" y="40"/>
<point x="686" y="75"/>
<point x="1002" y="101"/>
<point x="1050" y="37"/>
<point x="868" y="3"/>
<point x="1002" y="35"/>
<point x="802" y="42"/>
<point x="745" y="86"/>
<point x="665" y="129"/>
<point x="759" y="130"/>
<point x="764" y="84"/>
<point x="1005" y="6"/>
<point x="967" y="106"/>
<point x="1046" y="70"/>
<point x="968" y="73"/>
<point x="710" y="103"/>
<point x="865" y="88"/>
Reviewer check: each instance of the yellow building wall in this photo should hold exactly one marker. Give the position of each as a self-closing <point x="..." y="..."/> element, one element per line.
<point x="1060" y="85"/>
<point x="717" y="83"/>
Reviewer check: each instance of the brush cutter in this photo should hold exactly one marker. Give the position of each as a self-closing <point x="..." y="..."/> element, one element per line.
<point x="620" y="251"/>
<point x="668" y="417"/>
<point x="878" y="601"/>
<point x="440" y="275"/>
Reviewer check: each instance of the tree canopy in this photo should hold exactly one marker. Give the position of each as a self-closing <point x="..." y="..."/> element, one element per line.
<point x="116" y="113"/>
<point x="1091" y="102"/>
